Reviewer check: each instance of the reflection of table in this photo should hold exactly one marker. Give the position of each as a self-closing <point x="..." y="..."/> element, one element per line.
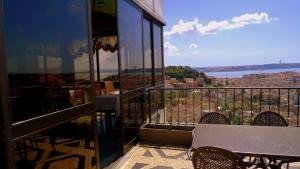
<point x="108" y="104"/>
<point x="278" y="142"/>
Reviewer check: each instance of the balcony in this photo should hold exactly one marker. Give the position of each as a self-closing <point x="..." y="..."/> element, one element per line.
<point x="174" y="112"/>
<point x="173" y="107"/>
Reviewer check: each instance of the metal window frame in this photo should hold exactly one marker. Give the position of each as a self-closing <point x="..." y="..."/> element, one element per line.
<point x="160" y="25"/>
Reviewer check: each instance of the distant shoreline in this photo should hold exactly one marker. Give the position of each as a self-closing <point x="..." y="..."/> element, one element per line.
<point x="248" y="67"/>
<point x="240" y="74"/>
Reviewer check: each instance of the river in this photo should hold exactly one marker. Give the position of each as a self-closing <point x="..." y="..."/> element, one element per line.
<point x="238" y="74"/>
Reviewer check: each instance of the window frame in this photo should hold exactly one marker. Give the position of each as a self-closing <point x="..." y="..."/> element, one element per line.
<point x="159" y="24"/>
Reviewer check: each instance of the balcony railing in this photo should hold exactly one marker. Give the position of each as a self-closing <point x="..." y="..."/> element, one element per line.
<point x="185" y="106"/>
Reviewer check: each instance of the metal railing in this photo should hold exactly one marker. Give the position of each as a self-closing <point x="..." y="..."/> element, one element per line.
<point x="186" y="106"/>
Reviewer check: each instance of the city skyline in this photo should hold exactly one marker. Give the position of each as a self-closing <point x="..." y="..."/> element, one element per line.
<point x="209" y="33"/>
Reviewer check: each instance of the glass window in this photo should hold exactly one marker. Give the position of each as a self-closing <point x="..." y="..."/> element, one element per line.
<point x="147" y="53"/>
<point x="131" y="49"/>
<point x="158" y="57"/>
<point x="46" y="45"/>
<point x="70" y="145"/>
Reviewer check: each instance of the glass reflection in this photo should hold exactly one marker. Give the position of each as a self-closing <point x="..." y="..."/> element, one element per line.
<point x="47" y="56"/>
<point x="157" y="41"/>
<point x="130" y="39"/>
<point x="106" y="58"/>
<point x="133" y="117"/>
<point x="147" y="53"/>
<point x="70" y="145"/>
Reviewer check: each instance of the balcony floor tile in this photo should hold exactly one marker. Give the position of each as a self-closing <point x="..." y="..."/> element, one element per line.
<point x="164" y="157"/>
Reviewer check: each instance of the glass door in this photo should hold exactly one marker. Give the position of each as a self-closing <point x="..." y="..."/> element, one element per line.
<point x="130" y="28"/>
<point x="105" y="52"/>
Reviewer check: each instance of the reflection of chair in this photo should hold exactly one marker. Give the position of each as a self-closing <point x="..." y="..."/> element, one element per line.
<point x="57" y="98"/>
<point x="77" y="97"/>
<point x="98" y="89"/>
<point x="216" y="158"/>
<point x="116" y="84"/>
<point x="109" y="87"/>
<point x="214" y="118"/>
<point x="269" y="118"/>
<point x="25" y="146"/>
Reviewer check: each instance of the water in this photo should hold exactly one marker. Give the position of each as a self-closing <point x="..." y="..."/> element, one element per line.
<point x="238" y="74"/>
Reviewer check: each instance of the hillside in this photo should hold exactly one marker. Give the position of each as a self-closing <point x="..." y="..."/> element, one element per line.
<point x="181" y="72"/>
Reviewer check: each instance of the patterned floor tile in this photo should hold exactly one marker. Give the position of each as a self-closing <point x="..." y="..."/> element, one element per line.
<point x="147" y="157"/>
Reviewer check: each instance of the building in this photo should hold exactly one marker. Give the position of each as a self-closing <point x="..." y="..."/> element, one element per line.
<point x="73" y="79"/>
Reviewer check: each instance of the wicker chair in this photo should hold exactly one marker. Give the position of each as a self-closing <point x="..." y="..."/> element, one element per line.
<point x="214" y="118"/>
<point x="216" y="158"/>
<point x="269" y="118"/>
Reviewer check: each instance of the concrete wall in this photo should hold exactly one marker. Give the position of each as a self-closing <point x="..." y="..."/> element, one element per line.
<point x="166" y="136"/>
<point x="153" y="7"/>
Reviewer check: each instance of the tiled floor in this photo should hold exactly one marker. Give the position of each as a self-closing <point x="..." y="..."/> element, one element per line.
<point x="146" y="157"/>
<point x="151" y="157"/>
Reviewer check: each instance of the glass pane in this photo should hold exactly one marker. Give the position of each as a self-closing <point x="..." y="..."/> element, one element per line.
<point x="131" y="49"/>
<point x="157" y="54"/>
<point x="107" y="78"/>
<point x="133" y="117"/>
<point x="147" y="52"/>
<point x="105" y="47"/>
<point x="47" y="55"/>
<point x="70" y="145"/>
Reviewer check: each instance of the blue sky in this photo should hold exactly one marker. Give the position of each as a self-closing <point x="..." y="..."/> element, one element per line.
<point x="232" y="32"/>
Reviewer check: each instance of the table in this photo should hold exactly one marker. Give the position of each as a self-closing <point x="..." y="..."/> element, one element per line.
<point x="263" y="141"/>
<point x="109" y="102"/>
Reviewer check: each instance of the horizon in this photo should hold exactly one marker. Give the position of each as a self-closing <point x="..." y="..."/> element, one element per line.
<point x="236" y="65"/>
<point x="208" y="33"/>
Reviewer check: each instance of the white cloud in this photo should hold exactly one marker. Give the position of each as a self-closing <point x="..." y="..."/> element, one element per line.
<point x="170" y="49"/>
<point x="215" y="26"/>
<point x="193" y="46"/>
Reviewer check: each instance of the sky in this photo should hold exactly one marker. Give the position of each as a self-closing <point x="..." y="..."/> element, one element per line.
<point x="203" y="33"/>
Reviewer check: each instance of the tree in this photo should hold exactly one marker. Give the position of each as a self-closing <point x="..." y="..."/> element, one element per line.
<point x="181" y="72"/>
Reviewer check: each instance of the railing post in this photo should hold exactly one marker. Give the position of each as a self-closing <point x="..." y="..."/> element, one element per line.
<point x="194" y="106"/>
<point x="171" y="108"/>
<point x="269" y="99"/>
<point x="163" y="103"/>
<point x="251" y="102"/>
<point x="209" y="100"/>
<point x="242" y="106"/>
<point x="288" y="115"/>
<point x="298" y="106"/>
<point x="279" y="102"/>
<point x="186" y="110"/>
<point x="260" y="98"/>
<point x="150" y="105"/>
